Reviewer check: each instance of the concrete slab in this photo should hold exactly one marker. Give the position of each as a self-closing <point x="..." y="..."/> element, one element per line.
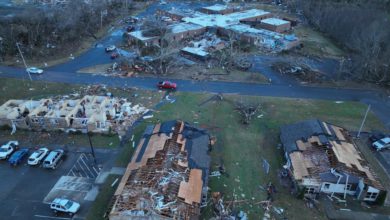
<point x="91" y="194"/>
<point x="74" y="188"/>
<point x="118" y="170"/>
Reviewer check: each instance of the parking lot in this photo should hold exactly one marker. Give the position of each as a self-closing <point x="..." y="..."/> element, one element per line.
<point x="25" y="191"/>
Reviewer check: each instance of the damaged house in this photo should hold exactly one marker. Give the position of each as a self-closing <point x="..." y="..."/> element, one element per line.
<point x="167" y="177"/>
<point x="322" y="158"/>
<point x="91" y="113"/>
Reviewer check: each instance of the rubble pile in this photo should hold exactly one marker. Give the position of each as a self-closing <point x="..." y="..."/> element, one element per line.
<point x="91" y="113"/>
<point x="300" y="71"/>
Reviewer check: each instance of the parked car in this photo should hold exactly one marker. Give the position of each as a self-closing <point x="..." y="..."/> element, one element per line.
<point x="18" y="156"/>
<point x="375" y="136"/>
<point x="34" y="70"/>
<point x="166" y="85"/>
<point x="130" y="28"/>
<point x="37" y="156"/>
<point x="64" y="205"/>
<point x="131" y="20"/>
<point x="7" y="149"/>
<point x="52" y="160"/>
<point x="114" y="55"/>
<point x="110" y="48"/>
<point x="382" y="144"/>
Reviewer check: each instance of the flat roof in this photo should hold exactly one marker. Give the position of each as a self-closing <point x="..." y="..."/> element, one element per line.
<point x="216" y="7"/>
<point x="196" y="50"/>
<point x="225" y="20"/>
<point x="274" y="21"/>
<point x="139" y="35"/>
<point x="183" y="27"/>
<point x="185" y="12"/>
<point x="246" y="29"/>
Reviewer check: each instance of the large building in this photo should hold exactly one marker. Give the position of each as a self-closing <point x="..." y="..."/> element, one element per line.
<point x="167" y="177"/>
<point x="220" y="19"/>
<point x="322" y="158"/>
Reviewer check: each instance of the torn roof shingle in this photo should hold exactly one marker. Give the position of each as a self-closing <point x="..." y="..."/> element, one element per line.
<point x="331" y="178"/>
<point x="293" y="132"/>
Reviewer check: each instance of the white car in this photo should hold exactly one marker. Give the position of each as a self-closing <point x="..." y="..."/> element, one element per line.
<point x="7" y="149"/>
<point x="34" y="70"/>
<point x="65" y="205"/>
<point x="37" y="156"/>
<point x="110" y="48"/>
<point x="382" y="144"/>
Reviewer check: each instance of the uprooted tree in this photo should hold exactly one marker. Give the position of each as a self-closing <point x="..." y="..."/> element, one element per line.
<point x="247" y="111"/>
<point x="231" y="56"/>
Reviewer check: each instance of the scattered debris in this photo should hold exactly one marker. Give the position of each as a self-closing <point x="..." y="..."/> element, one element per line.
<point x="164" y="180"/>
<point x="101" y="114"/>
<point x="302" y="71"/>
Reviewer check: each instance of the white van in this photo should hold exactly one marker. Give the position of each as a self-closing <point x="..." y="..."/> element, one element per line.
<point x="53" y="159"/>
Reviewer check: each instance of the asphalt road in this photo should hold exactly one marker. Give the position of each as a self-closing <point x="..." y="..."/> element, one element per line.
<point x="380" y="104"/>
<point x="281" y="86"/>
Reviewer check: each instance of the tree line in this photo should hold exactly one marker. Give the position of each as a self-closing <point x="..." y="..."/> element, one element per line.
<point x="362" y="27"/>
<point x="44" y="31"/>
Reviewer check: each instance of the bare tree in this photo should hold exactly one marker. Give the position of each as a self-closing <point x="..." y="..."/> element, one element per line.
<point x="163" y="57"/>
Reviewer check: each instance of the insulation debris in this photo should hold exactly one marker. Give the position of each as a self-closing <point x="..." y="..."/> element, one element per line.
<point x="167" y="176"/>
<point x="100" y="114"/>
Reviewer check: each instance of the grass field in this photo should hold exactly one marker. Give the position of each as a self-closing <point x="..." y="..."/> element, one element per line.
<point x="99" y="207"/>
<point x="241" y="148"/>
<point x="316" y="44"/>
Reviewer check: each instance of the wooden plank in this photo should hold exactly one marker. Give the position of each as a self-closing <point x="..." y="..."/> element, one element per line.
<point x="191" y="191"/>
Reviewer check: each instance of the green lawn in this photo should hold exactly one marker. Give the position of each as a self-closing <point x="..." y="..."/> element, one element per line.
<point x="99" y="207"/>
<point x="315" y="43"/>
<point x="241" y="148"/>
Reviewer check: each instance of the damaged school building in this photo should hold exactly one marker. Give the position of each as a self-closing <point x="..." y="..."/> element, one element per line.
<point x="322" y="158"/>
<point x="101" y="114"/>
<point x="253" y="26"/>
<point x="167" y="176"/>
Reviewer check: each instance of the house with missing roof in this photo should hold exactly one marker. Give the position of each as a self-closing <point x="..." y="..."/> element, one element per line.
<point x="100" y="114"/>
<point x="167" y="176"/>
<point x="322" y="158"/>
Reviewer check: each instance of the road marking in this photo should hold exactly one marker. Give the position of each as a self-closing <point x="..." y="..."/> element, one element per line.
<point x="97" y="172"/>
<point x="93" y="175"/>
<point x="50" y="217"/>
<point x="65" y="189"/>
<point x="82" y="169"/>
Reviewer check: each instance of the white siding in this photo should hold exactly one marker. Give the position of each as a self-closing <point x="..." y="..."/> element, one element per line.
<point x="336" y="188"/>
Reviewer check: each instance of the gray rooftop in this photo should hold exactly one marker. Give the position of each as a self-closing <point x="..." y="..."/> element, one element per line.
<point x="331" y="178"/>
<point x="301" y="130"/>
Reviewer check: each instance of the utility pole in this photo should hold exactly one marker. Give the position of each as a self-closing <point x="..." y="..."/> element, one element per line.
<point x="102" y="13"/>
<point x="24" y="62"/>
<point x="90" y="144"/>
<point x="364" y="120"/>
